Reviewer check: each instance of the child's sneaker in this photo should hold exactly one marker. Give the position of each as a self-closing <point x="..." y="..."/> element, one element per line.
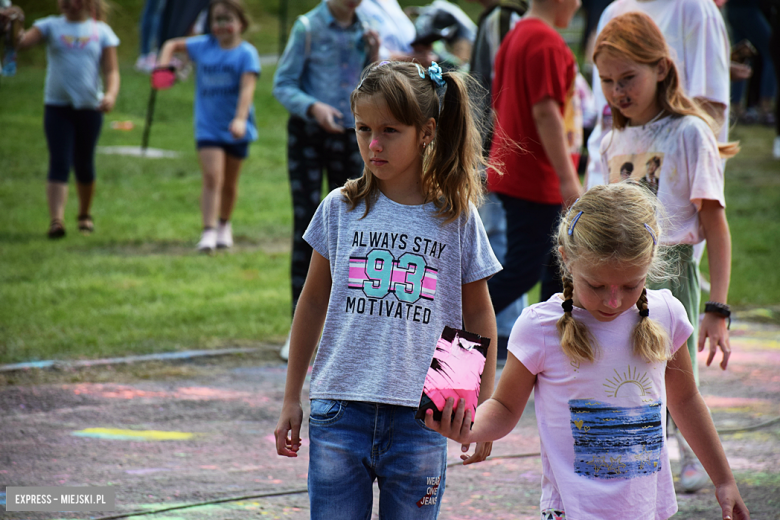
<point x="224" y="235"/>
<point x="284" y="353"/>
<point x="776" y="149"/>
<point x="208" y="240"/>
<point x="146" y="63"/>
<point x="140" y="63"/>
<point x="692" y="476"/>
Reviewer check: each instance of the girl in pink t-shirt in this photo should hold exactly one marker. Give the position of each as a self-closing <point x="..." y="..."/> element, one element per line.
<point x="604" y="372"/>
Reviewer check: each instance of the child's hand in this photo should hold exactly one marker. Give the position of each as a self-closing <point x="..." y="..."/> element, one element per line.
<point x="237" y="128"/>
<point x="373" y="42"/>
<point x="731" y="502"/>
<point x="9" y="14"/>
<point x="289" y="421"/>
<point x="714" y="327"/>
<point x="326" y="116"/>
<point x="482" y="451"/>
<point x="456" y="427"/>
<point x="107" y="104"/>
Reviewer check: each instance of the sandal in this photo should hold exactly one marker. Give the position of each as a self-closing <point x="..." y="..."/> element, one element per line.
<point x="56" y="228"/>
<point x="86" y="226"/>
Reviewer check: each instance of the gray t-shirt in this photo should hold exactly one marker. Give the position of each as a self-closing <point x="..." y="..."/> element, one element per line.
<point x="397" y="278"/>
<point x="74" y="51"/>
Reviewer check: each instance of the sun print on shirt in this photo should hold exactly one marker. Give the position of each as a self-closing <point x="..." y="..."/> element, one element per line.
<point x="618" y="442"/>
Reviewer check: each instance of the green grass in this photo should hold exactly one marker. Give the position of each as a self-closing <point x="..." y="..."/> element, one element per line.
<point x="138" y="286"/>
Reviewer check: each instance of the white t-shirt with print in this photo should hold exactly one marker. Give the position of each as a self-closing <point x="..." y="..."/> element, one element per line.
<point x="678" y="159"/>
<point x="602" y="425"/>
<point x="397" y="277"/>
<point x="696" y="34"/>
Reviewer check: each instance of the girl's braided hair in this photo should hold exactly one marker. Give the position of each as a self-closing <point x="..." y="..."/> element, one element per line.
<point x="616" y="223"/>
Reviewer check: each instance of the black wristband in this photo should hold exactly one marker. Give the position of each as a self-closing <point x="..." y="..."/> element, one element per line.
<point x="720" y="309"/>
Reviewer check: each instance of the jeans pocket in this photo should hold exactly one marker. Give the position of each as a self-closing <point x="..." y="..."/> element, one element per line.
<point x="421" y="424"/>
<point x="325" y="411"/>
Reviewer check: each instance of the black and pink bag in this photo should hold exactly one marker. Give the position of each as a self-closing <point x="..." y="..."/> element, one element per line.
<point x="455" y="371"/>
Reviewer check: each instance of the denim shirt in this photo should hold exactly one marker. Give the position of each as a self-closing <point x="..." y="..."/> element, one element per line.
<point x="329" y="73"/>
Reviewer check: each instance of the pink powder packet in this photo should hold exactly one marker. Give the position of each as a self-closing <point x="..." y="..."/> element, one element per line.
<point x="455" y="371"/>
<point x="163" y="78"/>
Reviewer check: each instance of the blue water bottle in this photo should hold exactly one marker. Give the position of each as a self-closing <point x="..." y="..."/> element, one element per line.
<point x="9" y="62"/>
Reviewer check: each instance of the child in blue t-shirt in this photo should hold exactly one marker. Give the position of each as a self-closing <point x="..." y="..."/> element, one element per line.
<point x="227" y="71"/>
<point x="79" y="46"/>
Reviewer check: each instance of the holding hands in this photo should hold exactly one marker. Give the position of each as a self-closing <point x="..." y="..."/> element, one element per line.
<point x="457" y="426"/>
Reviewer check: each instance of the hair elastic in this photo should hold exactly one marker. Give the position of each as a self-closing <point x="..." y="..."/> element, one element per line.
<point x="568" y="305"/>
<point x="574" y="222"/>
<point x="655" y="241"/>
<point x="644" y="313"/>
<point x="435" y="75"/>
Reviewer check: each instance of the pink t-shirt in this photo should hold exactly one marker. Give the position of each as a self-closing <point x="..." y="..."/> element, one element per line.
<point x="602" y="425"/>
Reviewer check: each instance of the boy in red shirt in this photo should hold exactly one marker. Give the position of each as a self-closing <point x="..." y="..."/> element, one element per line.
<point x="533" y="96"/>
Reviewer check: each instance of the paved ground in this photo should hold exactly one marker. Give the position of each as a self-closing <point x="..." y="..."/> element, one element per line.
<point x="68" y="429"/>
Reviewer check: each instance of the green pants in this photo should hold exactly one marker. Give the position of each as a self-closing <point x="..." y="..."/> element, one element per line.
<point x="686" y="288"/>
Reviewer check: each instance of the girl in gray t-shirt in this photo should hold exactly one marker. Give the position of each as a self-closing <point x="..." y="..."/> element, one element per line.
<point x="399" y="254"/>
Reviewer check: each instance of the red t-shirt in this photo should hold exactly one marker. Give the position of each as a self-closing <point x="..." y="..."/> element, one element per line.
<point x="532" y="64"/>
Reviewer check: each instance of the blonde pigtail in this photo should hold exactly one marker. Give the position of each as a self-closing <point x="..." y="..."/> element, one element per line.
<point x="651" y="341"/>
<point x="576" y="340"/>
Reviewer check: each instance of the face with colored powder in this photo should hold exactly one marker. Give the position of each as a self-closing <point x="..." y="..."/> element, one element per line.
<point x="391" y="150"/>
<point x="630" y="86"/>
<point x="606" y="290"/>
<point x="225" y="24"/>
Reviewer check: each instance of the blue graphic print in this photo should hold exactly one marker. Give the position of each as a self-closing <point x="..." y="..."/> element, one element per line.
<point x="615" y="442"/>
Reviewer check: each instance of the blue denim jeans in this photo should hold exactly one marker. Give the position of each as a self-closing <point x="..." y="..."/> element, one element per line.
<point x="354" y="443"/>
<point x="150" y="23"/>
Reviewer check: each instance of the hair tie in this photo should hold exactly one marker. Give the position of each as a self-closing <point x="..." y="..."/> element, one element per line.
<point x="655" y="241"/>
<point x="435" y="75"/>
<point x="644" y="313"/>
<point x="574" y="222"/>
<point x="434" y="71"/>
<point x="568" y="305"/>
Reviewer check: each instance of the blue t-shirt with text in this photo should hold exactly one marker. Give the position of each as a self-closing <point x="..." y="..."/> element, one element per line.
<point x="218" y="85"/>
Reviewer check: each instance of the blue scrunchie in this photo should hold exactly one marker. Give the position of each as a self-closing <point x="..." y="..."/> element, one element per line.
<point x="434" y="71"/>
